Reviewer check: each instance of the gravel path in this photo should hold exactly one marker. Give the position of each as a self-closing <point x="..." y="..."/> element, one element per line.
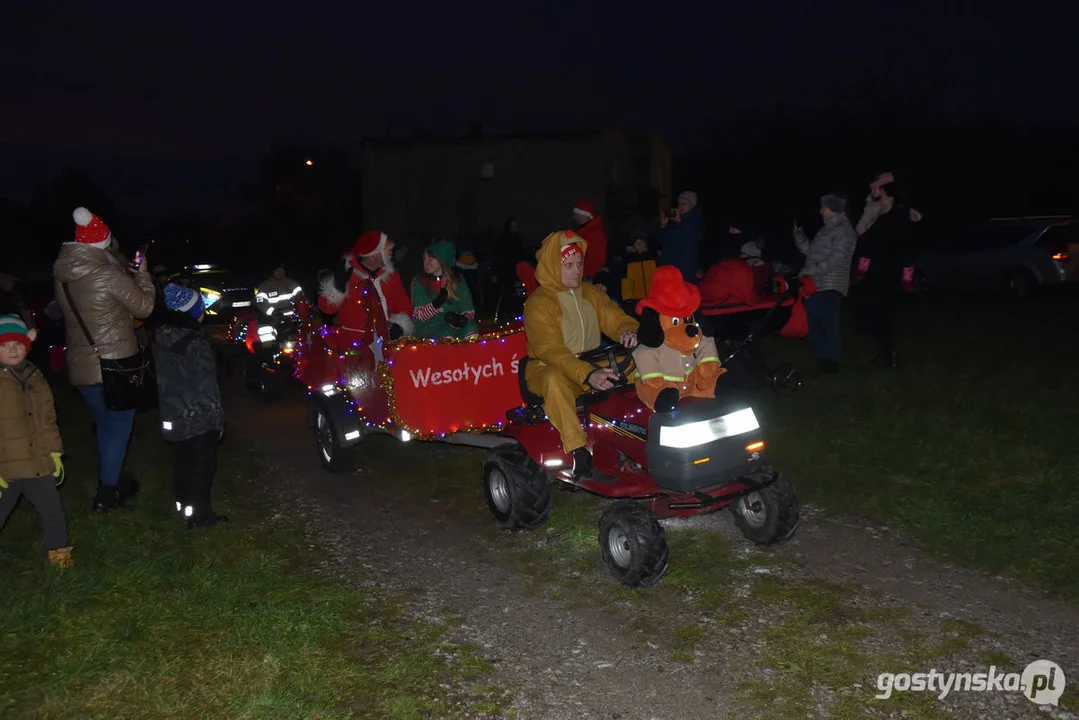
<point x="579" y="662"/>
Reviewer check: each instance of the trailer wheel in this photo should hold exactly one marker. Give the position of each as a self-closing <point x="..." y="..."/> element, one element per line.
<point x="334" y="456"/>
<point x="786" y="379"/>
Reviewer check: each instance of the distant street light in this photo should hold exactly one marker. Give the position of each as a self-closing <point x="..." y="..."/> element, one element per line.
<point x="309" y="162"/>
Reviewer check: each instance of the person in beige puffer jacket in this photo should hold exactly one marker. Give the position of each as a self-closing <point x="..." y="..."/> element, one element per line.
<point x="109" y="297"/>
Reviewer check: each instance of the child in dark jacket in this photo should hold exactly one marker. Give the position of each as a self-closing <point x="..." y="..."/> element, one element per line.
<point x="30" y="447"/>
<point x="636" y="268"/>
<point x="192" y="415"/>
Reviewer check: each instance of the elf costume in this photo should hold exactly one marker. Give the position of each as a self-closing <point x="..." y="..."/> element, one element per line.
<point x="367" y="292"/>
<point x="439" y="315"/>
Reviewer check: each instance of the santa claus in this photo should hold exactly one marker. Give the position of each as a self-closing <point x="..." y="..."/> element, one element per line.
<point x="373" y="292"/>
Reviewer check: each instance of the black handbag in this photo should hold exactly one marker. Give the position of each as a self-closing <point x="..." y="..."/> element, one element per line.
<point x="127" y="383"/>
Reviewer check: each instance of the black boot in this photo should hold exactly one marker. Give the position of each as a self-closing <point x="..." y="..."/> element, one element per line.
<point x="106" y="499"/>
<point x="128" y="487"/>
<point x="582" y="464"/>
<point x="205" y="519"/>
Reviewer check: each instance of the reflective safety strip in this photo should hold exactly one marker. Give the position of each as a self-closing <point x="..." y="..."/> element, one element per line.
<point x="668" y="378"/>
<point x="275" y="298"/>
<point x="166" y="425"/>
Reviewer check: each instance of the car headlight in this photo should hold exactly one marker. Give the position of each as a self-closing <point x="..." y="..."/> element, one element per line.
<point x="209" y="297"/>
<point x="706" y="431"/>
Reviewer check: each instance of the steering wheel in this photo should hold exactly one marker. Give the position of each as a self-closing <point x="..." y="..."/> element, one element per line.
<point x="617" y="357"/>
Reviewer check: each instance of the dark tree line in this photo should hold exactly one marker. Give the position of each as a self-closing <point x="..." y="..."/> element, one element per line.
<point x="766" y="168"/>
<point x="759" y="169"/>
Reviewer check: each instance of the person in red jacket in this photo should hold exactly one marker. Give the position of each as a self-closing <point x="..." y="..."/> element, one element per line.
<point x="369" y="266"/>
<point x="589" y="225"/>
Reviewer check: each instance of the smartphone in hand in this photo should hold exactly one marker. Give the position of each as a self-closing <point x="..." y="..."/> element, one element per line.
<point x="140" y="256"/>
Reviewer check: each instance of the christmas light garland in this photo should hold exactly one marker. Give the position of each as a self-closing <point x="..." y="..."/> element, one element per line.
<point x="506" y="330"/>
<point x="384" y="375"/>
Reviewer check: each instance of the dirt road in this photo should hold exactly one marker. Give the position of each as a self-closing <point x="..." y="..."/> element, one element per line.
<point x="567" y="642"/>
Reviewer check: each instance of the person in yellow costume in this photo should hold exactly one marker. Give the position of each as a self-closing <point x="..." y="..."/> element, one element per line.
<point x="564" y="317"/>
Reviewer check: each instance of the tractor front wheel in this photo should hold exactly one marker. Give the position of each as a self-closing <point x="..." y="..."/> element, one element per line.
<point x="767" y="516"/>
<point x="633" y="544"/>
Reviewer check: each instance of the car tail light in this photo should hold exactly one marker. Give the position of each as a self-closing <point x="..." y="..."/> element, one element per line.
<point x="1059" y="253"/>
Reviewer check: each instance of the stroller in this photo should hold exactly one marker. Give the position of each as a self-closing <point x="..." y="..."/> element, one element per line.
<point x="740" y="314"/>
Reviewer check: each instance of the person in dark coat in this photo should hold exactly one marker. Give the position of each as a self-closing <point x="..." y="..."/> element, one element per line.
<point x="633" y="267"/>
<point x="192" y="415"/>
<point x="885" y="244"/>
<point x="679" y="236"/>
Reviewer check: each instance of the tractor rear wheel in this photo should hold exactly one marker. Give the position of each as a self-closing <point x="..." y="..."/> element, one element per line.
<point x="516" y="489"/>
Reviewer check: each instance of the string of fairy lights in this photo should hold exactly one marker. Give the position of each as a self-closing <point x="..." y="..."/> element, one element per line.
<point x="384" y="375"/>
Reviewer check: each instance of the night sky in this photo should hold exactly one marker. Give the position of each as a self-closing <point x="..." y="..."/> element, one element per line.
<point x="163" y="96"/>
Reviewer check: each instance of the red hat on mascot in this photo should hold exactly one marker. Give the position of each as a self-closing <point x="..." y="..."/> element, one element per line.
<point x="670" y="295"/>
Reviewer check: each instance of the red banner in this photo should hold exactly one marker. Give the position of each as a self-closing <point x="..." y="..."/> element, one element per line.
<point x="448" y="387"/>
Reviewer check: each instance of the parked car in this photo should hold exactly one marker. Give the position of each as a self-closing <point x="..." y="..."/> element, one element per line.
<point x="223" y="293"/>
<point x="1017" y="255"/>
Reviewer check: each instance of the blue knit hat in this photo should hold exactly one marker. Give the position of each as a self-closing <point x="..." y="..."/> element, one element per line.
<point x="183" y="299"/>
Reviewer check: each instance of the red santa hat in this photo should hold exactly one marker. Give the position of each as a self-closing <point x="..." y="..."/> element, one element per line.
<point x="90" y="229"/>
<point x="371" y="242"/>
<point x="671" y="295"/>
<point x="585" y="208"/>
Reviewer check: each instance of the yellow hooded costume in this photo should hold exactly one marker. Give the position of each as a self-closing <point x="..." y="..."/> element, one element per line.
<point x="559" y="324"/>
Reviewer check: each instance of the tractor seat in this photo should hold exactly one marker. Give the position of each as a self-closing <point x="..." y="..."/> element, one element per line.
<point x="532" y="412"/>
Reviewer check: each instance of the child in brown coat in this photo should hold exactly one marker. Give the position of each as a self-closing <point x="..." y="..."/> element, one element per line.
<point x="30" y="447"/>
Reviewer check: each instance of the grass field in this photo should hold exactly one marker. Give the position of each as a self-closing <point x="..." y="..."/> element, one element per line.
<point x="970" y="446"/>
<point x="155" y="621"/>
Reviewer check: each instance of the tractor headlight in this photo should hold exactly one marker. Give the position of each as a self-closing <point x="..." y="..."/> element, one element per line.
<point x="706" y="431"/>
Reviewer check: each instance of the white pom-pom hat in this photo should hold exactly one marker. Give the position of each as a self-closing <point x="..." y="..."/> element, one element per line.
<point x="90" y="229"/>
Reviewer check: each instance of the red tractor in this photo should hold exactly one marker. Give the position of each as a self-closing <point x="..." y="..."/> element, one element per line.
<point x="683" y="459"/>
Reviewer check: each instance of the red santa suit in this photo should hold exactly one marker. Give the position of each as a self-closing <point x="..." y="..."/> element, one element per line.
<point x="596" y="237"/>
<point x="370" y="298"/>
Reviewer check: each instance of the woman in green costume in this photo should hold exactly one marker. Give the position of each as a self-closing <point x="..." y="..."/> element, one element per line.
<point x="441" y="301"/>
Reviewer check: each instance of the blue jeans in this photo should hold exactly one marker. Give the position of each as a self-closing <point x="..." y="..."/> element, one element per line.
<point x="113" y="432"/>
<point x="822" y="309"/>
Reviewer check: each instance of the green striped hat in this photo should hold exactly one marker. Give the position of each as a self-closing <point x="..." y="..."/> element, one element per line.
<point x="13" y="329"/>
